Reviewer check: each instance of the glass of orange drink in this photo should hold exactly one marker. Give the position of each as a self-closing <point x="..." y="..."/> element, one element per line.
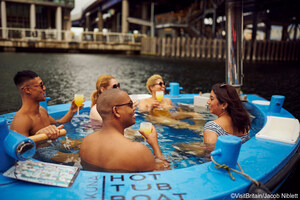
<point x="78" y="100"/>
<point x="159" y="95"/>
<point x="146" y="127"/>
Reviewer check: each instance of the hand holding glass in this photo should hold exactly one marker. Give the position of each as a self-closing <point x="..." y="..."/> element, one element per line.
<point x="146" y="127"/>
<point x="78" y="100"/>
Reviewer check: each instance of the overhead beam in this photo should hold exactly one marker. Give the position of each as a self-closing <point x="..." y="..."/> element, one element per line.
<point x="139" y="21"/>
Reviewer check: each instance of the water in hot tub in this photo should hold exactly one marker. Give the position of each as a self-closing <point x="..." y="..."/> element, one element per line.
<point x="181" y="143"/>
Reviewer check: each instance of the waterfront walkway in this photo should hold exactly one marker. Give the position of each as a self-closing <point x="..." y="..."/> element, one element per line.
<point x="49" y="40"/>
<point x="21" y="39"/>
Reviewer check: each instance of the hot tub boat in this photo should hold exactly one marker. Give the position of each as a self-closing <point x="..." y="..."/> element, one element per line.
<point x="268" y="157"/>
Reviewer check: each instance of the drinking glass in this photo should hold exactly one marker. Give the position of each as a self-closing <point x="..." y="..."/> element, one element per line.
<point x="78" y="100"/>
<point x="159" y="95"/>
<point x="146" y="127"/>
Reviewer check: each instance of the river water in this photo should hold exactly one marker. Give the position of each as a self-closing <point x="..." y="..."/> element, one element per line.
<point x="67" y="74"/>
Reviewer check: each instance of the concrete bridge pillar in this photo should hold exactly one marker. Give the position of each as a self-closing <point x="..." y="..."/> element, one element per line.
<point x="268" y="30"/>
<point x="58" y="22"/>
<point x="284" y="35"/>
<point x="100" y="21"/>
<point x="32" y="17"/>
<point x="3" y="19"/>
<point x="144" y="16"/>
<point x="125" y="14"/>
<point x="87" y="22"/>
<point x="295" y="31"/>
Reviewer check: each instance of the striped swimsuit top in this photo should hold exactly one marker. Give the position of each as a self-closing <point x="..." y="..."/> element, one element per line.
<point x="214" y="127"/>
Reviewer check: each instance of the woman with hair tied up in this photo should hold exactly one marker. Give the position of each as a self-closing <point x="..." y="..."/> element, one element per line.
<point x="164" y="112"/>
<point x="104" y="82"/>
<point x="232" y="119"/>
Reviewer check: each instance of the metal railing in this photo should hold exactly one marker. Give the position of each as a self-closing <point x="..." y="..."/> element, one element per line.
<point x="26" y="34"/>
<point x="109" y="37"/>
<point x="34" y="34"/>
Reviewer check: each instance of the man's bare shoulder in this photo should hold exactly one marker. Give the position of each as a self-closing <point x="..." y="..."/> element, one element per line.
<point x="87" y="140"/>
<point x="21" y="116"/>
<point x="141" y="157"/>
<point x="21" y="123"/>
<point x="139" y="150"/>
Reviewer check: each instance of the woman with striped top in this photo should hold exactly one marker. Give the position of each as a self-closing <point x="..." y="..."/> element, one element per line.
<point x="232" y="119"/>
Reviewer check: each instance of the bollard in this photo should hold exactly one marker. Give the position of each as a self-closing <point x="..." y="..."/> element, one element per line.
<point x="14" y="146"/>
<point x="19" y="146"/>
<point x="276" y="103"/>
<point x="174" y="89"/>
<point x="227" y="151"/>
<point x="6" y="161"/>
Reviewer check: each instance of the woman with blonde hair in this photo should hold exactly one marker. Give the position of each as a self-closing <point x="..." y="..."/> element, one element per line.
<point x="159" y="111"/>
<point x="154" y="83"/>
<point x="104" y="82"/>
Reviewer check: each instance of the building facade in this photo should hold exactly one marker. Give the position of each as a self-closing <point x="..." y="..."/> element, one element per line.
<point x="52" y="15"/>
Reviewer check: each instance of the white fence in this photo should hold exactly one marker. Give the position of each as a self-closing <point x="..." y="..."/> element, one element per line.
<point x="109" y="37"/>
<point x="204" y="48"/>
<point x="26" y="34"/>
<point x="34" y="34"/>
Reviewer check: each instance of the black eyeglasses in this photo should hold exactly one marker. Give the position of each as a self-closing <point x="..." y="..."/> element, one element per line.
<point x="42" y="85"/>
<point x="116" y="86"/>
<point x="130" y="104"/>
<point x="160" y="83"/>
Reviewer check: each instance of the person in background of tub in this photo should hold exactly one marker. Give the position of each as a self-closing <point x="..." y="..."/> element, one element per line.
<point x="163" y="112"/>
<point x="104" y="82"/>
<point x="160" y="108"/>
<point x="109" y="150"/>
<point x="232" y="119"/>
<point x="154" y="83"/>
<point x="32" y="118"/>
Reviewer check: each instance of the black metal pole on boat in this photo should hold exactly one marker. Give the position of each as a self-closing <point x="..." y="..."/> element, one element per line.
<point x="234" y="42"/>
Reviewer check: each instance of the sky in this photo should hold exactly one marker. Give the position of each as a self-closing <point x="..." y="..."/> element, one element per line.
<point x="79" y="4"/>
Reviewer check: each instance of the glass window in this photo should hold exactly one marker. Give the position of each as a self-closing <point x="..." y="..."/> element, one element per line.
<point x="18" y="15"/>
